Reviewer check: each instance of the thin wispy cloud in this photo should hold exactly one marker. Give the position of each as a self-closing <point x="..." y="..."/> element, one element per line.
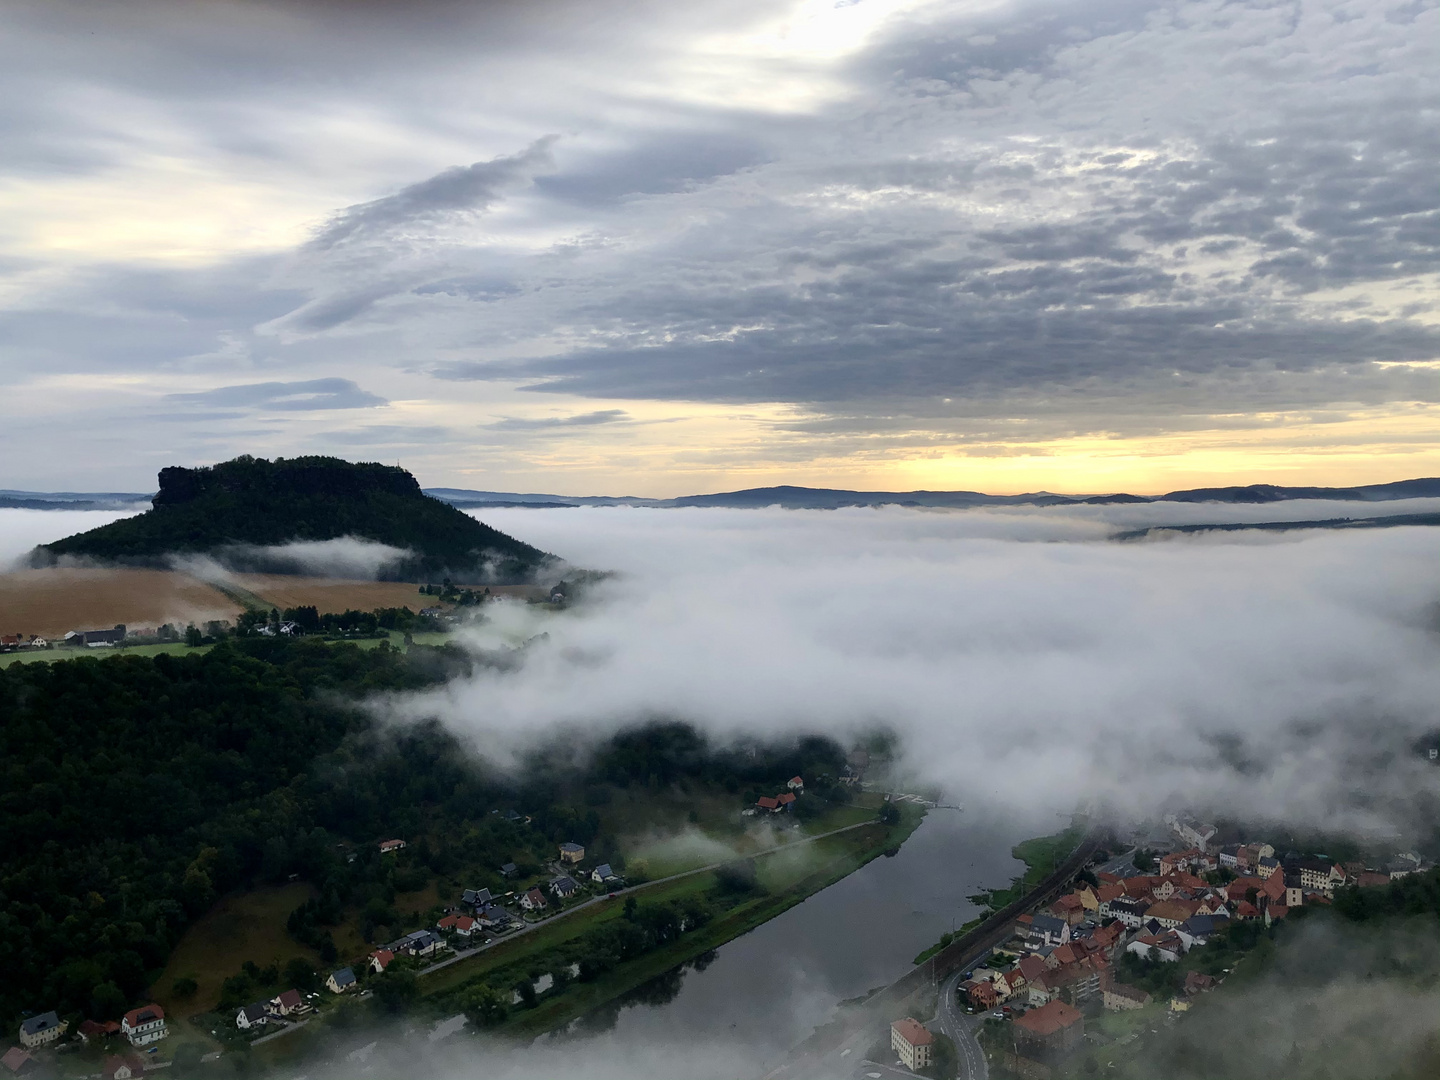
<point x="304" y="396"/>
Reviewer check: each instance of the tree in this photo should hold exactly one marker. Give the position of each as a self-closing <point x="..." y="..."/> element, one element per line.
<point x="301" y="974"/>
<point x="484" y="1007"/>
<point x="889" y="814"/>
<point x="193" y="637"/>
<point x="107" y="1001"/>
<point x="184" y="987"/>
<point x="395" y="990"/>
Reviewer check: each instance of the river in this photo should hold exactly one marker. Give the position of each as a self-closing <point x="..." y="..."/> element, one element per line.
<point x="771" y="987"/>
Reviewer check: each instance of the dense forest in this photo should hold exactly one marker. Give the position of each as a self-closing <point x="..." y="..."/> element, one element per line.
<point x="135" y="790"/>
<point x="228" y="510"/>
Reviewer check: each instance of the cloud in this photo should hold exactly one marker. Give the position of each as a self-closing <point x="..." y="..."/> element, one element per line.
<point x="306" y="396"/>
<point x="545" y="423"/>
<point x="22" y="530"/>
<point x="459" y="190"/>
<point x="1024" y="660"/>
<point x="343" y="557"/>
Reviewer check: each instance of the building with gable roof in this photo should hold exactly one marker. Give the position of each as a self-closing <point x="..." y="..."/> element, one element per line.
<point x="913" y="1042"/>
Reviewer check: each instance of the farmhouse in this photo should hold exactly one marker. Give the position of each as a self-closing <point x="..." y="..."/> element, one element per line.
<point x="389" y="847"/>
<point x="41" y="1030"/>
<point x="144" y="1025"/>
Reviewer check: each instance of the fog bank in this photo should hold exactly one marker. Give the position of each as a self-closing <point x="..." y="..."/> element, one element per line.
<point x="1275" y="674"/>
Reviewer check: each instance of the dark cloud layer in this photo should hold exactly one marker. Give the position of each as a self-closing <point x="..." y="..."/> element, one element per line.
<point x="1115" y="216"/>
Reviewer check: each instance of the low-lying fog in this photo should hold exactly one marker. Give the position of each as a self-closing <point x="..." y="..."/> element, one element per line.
<point x="1278" y="673"/>
<point x="1027" y="663"/>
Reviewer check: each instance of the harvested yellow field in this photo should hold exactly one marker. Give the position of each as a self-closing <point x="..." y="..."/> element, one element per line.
<point x="333" y="594"/>
<point x="53" y="601"/>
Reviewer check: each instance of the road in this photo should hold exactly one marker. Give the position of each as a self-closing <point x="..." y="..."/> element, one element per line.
<point x="526" y="928"/>
<point x="961" y="1027"/>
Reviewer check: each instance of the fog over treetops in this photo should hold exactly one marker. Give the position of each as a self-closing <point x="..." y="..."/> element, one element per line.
<point x="1023" y="659"/>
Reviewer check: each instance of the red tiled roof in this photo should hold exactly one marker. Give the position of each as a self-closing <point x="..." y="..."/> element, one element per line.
<point x="384" y="956"/>
<point x="14" y="1059"/>
<point x="1049" y="1018"/>
<point x="786" y="799"/>
<point x="1032" y="967"/>
<point x="765" y="802"/>
<point x="913" y="1032"/>
<point x="134" y="1016"/>
<point x="448" y="921"/>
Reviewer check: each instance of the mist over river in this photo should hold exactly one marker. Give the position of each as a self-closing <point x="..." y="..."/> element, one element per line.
<point x="770" y="988"/>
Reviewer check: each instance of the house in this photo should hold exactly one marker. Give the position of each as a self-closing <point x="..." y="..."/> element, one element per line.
<point x="603" y="875"/>
<point x="786" y="801"/>
<point x="1048" y="930"/>
<point x="1167" y="947"/>
<point x="1171" y="913"/>
<point x="380" y="959"/>
<point x="144" y="1025"/>
<point x="41" y="1030"/>
<point x="493" y="916"/>
<point x="18" y="1063"/>
<point x="1246" y="910"/>
<point x="913" y="1042"/>
<point x="475" y="898"/>
<point x="1197" y="982"/>
<point x="1266" y="865"/>
<point x="765" y="802"/>
<point x="1230" y="858"/>
<point x="564" y="887"/>
<point x="571" y="853"/>
<point x="1196" y="930"/>
<point x="337" y="982"/>
<point x="534" y="900"/>
<point x="980" y="993"/>
<point x="255" y="1014"/>
<point x="122" y="1067"/>
<point x="89" y="1030"/>
<point x="796" y="785"/>
<point x="288" y="1002"/>
<point x="1368" y="879"/>
<point x="1052" y="1030"/>
<point x="508" y="870"/>
<point x="463" y="925"/>
<point x="1070" y="908"/>
<point x="419" y="943"/>
<point x="1319" y="875"/>
<point x="1120" y="998"/>
<point x="389" y="847"/>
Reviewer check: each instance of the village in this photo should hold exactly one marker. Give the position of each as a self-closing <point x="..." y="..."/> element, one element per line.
<point x="128" y="1047"/>
<point x="1117" y="943"/>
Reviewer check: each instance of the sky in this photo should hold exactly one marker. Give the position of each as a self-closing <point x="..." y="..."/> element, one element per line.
<point x="659" y="249"/>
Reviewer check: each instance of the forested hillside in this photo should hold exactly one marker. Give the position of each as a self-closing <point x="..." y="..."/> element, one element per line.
<point x="135" y="790"/>
<point x="230" y="509"/>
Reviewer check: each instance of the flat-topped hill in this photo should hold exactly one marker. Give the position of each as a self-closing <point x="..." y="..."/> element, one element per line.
<point x="234" y="510"/>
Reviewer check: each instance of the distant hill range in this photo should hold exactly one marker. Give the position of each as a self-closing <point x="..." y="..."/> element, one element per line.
<point x="235" y="510"/>
<point x="803" y="498"/>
